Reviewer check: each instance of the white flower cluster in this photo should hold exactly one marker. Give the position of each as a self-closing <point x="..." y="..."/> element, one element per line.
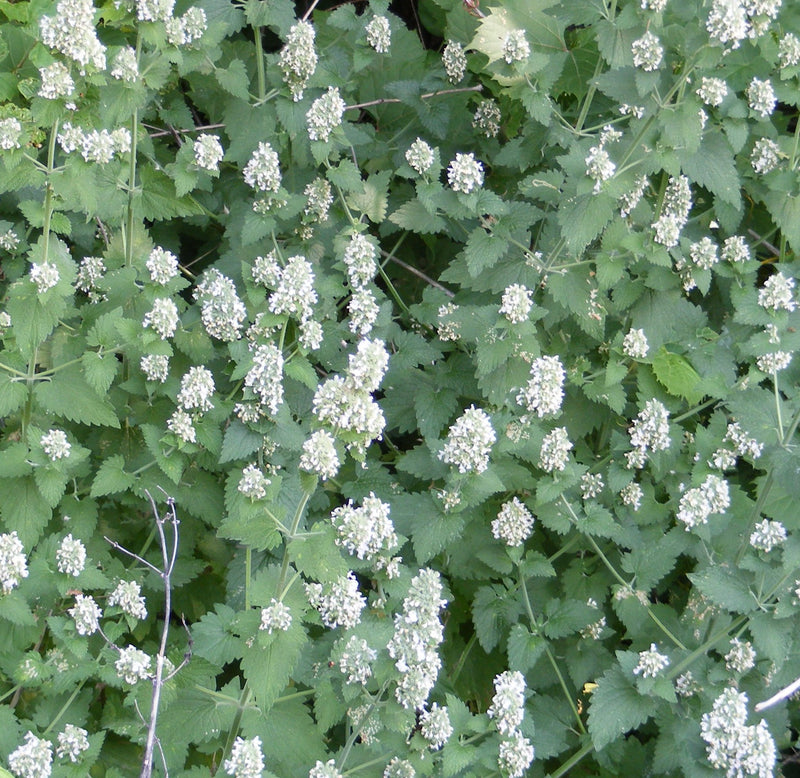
<point x="379" y="34"/>
<point x="435" y="726"/>
<point x="298" y="58"/>
<point x="86" y="614"/>
<point x="186" y="29"/>
<point x="45" y="275"/>
<point x="155" y="367"/>
<point x="253" y="483"/>
<point x="733" y="746"/>
<point x="554" y="453"/>
<point x="741" y="657"/>
<point x="72" y="742"/>
<point x="766" y="156"/>
<point x="651" y="662"/>
<point x="632" y="495"/>
<point x="647" y="52"/>
<point x="55" y="444"/>
<point x="696" y="505"/>
<point x="774" y="362"/>
<point x="454" y="61"/>
<point x="275" y="616"/>
<point x="767" y="535"/>
<point x="508" y="709"/>
<point x="345" y="402"/>
<point x="294" y="293"/>
<point x="366" y="532"/>
<point x="634" y="344"/>
<point x="735" y="249"/>
<point x="513" y="524"/>
<point x="319" y="455"/>
<point x="221" y="309"/>
<point x="544" y="392"/>
<point x="325" y="115"/>
<point x="420" y="156"/>
<point x="599" y="166"/>
<point x="33" y="759"/>
<point x="417" y="635"/>
<point x="591" y="485"/>
<point x="197" y="388"/>
<point x="97" y="146"/>
<point x="262" y="171"/>
<point x="516" y="47"/>
<point x="325" y="770"/>
<point x="56" y="81"/>
<point x="339" y="602"/>
<point x="704" y="253"/>
<point x="90" y="271"/>
<point x="789" y="50"/>
<point x="10" y="133"/>
<point x="469" y="441"/>
<point x="487" y="118"/>
<point x="128" y="596"/>
<point x="162" y="266"/>
<point x="359" y="259"/>
<point x="516" y="303"/>
<point x="777" y="293"/>
<point x="674" y="212"/>
<point x="362" y="311"/>
<point x="13" y="563"/>
<point x="208" y="152"/>
<point x="727" y="22"/>
<point x="320" y="199"/>
<point x="246" y="759"/>
<point x="265" y="377"/>
<point x="649" y="432"/>
<point x="761" y="97"/>
<point x="465" y="173"/>
<point x="712" y="91"/>
<point x="399" y="768"/>
<point x="71" y="556"/>
<point x="162" y="317"/>
<point x="133" y="665"/>
<point x="71" y="30"/>
<point x="125" y="66"/>
<point x="355" y="660"/>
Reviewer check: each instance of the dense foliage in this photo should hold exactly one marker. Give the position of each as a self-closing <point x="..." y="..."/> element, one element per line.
<point x="399" y="396"/>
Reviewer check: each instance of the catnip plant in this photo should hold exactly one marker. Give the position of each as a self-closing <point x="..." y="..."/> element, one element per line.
<point x="399" y="391"/>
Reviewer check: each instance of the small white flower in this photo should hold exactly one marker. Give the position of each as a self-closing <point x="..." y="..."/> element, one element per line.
<point x="155" y="367"/>
<point x="554" y="453"/>
<point x="72" y="742"/>
<point x="162" y="265"/>
<point x="127" y="595"/>
<point x="712" y="91"/>
<point x="761" y="97"/>
<point x="325" y="115"/>
<point x="163" y="317"/>
<point x="634" y="344"/>
<point x="766" y="156"/>
<point x="246" y="759"/>
<point x="355" y="660"/>
<point x="777" y="293"/>
<point x="647" y="52"/>
<point x="10" y="133"/>
<point x="516" y="303"/>
<point x="33" y="759"/>
<point x="126" y="67"/>
<point x="56" y="81"/>
<point x="469" y="442"/>
<point x="133" y="665"/>
<point x="71" y="556"/>
<point x="55" y="444"/>
<point x="599" y="166"/>
<point x="651" y="663"/>
<point x="298" y="58"/>
<point x="379" y="34"/>
<point x="420" y="156"/>
<point x="197" y="388"/>
<point x="515" y="47"/>
<point x="741" y="657"/>
<point x="319" y="455"/>
<point x="544" y="392"/>
<point x="465" y="173"/>
<point x="45" y="275"/>
<point x="262" y="172"/>
<point x="767" y="535"/>
<point x="13" y="563"/>
<point x="435" y="726"/>
<point x="208" y="152"/>
<point x="454" y="61"/>
<point x="86" y="614"/>
<point x="789" y="50"/>
<point x="276" y="616"/>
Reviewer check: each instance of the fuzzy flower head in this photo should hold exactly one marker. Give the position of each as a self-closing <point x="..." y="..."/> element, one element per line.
<point x="544" y="392"/>
<point x="647" y="52"/>
<point x="155" y="367"/>
<point x="320" y="456"/>
<point x="13" y="563"/>
<point x="86" y="614"/>
<point x="355" y="660"/>
<point x="162" y="266"/>
<point x="379" y="34"/>
<point x="454" y="61"/>
<point x="197" y="388"/>
<point x="649" y="432"/>
<point x="508" y="704"/>
<point x="599" y="166"/>
<point x="71" y="556"/>
<point x="54" y="443"/>
<point x="56" y="81"/>
<point x="265" y="377"/>
<point x="10" y="133"/>
<point x="72" y="742"/>
<point x="554" y="453"/>
<point x="487" y="118"/>
<point x="325" y="115"/>
<point x="517" y="303"/>
<point x="275" y="617"/>
<point x="435" y="726"/>
<point x="761" y="97"/>
<point x="516" y="47"/>
<point x="339" y="603"/>
<point x="777" y="293"/>
<point x="766" y="156"/>
<point x="696" y="505"/>
<point x="325" y="770"/>
<point x="294" y="293"/>
<point x="125" y="66"/>
<point x="365" y="532"/>
<point x="45" y="275"/>
<point x="515" y="755"/>
<point x="741" y="657"/>
<point x="262" y="172"/>
<point x="465" y="173"/>
<point x="162" y="317"/>
<point x="246" y="759"/>
<point x="208" y="152"/>
<point x="359" y="258"/>
<point x="469" y="442"/>
<point x="33" y="759"/>
<point x="133" y="665"/>
<point x="513" y="524"/>
<point x="712" y="91"/>
<point x="651" y="663"/>
<point x="727" y="23"/>
<point x="420" y="156"/>
<point x="298" y="58"/>
<point x="634" y="344"/>
<point x="71" y="31"/>
<point x="767" y="535"/>
<point x="127" y="595"/>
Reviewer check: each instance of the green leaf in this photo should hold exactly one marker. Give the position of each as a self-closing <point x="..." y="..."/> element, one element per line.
<point x="268" y="668"/>
<point x="23" y="509"/>
<point x="158" y="200"/>
<point x="51" y="484"/>
<point x="13" y="461"/>
<point x="785" y="210"/>
<point x="213" y="639"/>
<point x="434" y="406"/>
<point x="13" y="608"/>
<point x="413" y="216"/>
<point x="713" y="167"/>
<point x="13" y="394"/>
<point x="278" y="14"/>
<point x="173" y="465"/>
<point x="487" y="615"/>
<point x="31" y="320"/>
<point x="68" y="395"/>
<point x="111" y="477"/>
<point x="483" y="250"/>
<point x="100" y="370"/>
<point x="524" y="648"/>
<point x="239" y="442"/>
<point x="676" y="375"/>
<point x="583" y="219"/>
<point x="725" y="587"/>
<point x="372" y="200"/>
<point x="616" y="707"/>
<point x="233" y="78"/>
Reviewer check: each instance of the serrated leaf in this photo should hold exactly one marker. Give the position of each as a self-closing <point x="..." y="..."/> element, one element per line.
<point x="345" y="175"/>
<point x="616" y="707"/>
<point x="111" y="477"/>
<point x="239" y="442"/>
<point x="413" y="216"/>
<point x="373" y="200"/>
<point x="434" y="406"/>
<point x="212" y="637"/>
<point x="487" y="615"/>
<point x="14" y="609"/>
<point x="278" y="14"/>
<point x="172" y="466"/>
<point x="51" y="484"/>
<point x="433" y="531"/>
<point x="725" y="587"/>
<point x="713" y="167"/>
<point x="268" y="668"/>
<point x="158" y="200"/>
<point x="32" y="321"/>
<point x="13" y="461"/>
<point x="483" y="250"/>
<point x="583" y="219"/>
<point x="100" y="370"/>
<point x="302" y="370"/>
<point x="23" y="509"/>
<point x="524" y="648"/>
<point x="68" y="395"/>
<point x="676" y="375"/>
<point x="13" y="394"/>
<point x="233" y="78"/>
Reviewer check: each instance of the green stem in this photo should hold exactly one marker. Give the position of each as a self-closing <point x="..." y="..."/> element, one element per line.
<point x="262" y="79"/>
<point x="248" y="574"/>
<point x="463" y="658"/>
<point x="534" y="627"/>
<point x="64" y="708"/>
<point x="572" y="761"/>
